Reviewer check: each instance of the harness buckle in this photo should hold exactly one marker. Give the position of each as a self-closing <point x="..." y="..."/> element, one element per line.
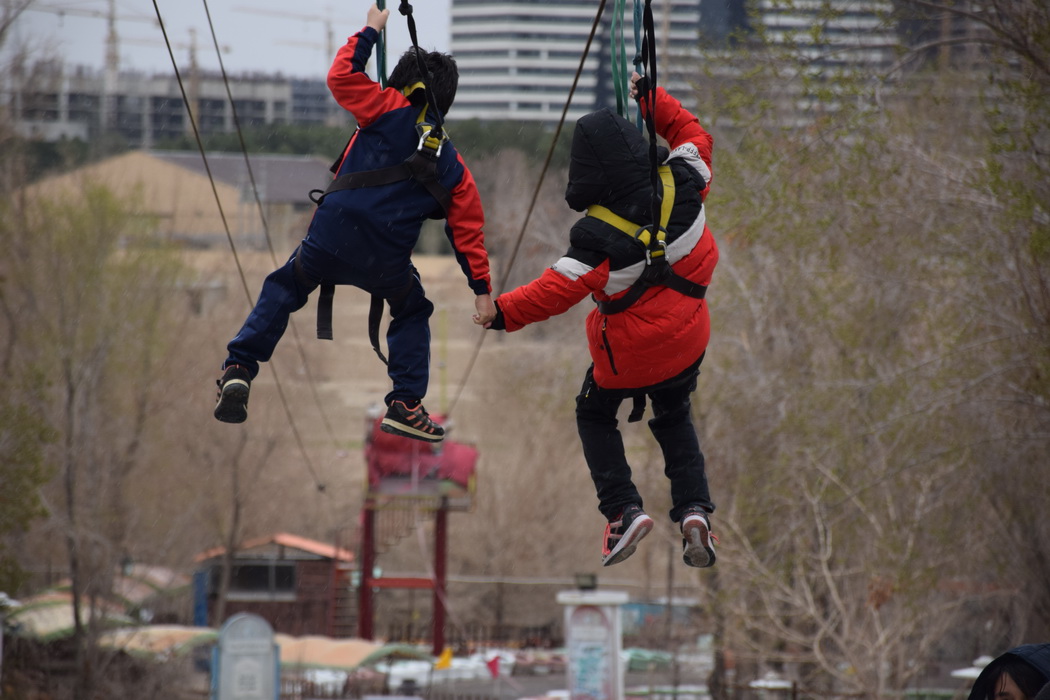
<point x="654" y="247"/>
<point x="427" y="146"/>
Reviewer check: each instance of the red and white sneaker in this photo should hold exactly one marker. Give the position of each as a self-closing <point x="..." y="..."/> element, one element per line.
<point x="412" y="422"/>
<point x="623" y="534"/>
<point x="698" y="547"/>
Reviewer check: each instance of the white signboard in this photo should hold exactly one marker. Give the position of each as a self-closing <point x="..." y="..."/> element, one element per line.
<point x="593" y="632"/>
<point x="246" y="660"/>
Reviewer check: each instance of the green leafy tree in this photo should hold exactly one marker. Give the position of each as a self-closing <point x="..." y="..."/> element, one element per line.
<point x="91" y="317"/>
<point x="23" y="471"/>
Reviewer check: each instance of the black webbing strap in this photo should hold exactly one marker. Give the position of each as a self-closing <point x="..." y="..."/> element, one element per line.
<point x="639" y="395"/>
<point x="324" y="311"/>
<point x="324" y="299"/>
<point x="365" y="178"/>
<point x="638" y="409"/>
<point x="375" y="315"/>
<point x="406" y="9"/>
<point x="423" y="168"/>
<point x="649" y="87"/>
<point x="419" y="166"/>
<point x="670" y="279"/>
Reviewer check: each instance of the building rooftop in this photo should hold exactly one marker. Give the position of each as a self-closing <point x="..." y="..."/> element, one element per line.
<point x="279" y="178"/>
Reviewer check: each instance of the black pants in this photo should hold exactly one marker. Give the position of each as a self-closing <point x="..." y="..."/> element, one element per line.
<point x="671" y="425"/>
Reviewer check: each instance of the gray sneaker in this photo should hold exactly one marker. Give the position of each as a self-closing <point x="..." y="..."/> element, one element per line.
<point x="698" y="547"/>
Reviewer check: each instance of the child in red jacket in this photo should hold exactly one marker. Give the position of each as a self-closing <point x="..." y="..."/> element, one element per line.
<point x="367" y="224"/>
<point x="644" y="341"/>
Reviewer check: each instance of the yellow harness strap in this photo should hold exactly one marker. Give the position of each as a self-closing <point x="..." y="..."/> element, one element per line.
<point x="433" y="144"/>
<point x="642" y="233"/>
<point x="655" y="250"/>
<point x="409" y="89"/>
<point x="425" y="139"/>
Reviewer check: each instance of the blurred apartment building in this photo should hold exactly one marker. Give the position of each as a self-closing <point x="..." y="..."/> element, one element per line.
<point x="517" y="58"/>
<point x="51" y="101"/>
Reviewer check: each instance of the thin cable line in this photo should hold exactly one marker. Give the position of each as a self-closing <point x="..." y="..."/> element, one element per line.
<point x="266" y="228"/>
<point x="229" y="236"/>
<point x="535" y="195"/>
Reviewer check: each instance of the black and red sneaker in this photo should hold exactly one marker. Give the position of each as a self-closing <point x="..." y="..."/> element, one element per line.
<point x="233" y="395"/>
<point x="623" y="534"/>
<point x="698" y="547"/>
<point x="412" y="422"/>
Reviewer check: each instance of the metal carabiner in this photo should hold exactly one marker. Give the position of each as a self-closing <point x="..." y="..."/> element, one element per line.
<point x="434" y="153"/>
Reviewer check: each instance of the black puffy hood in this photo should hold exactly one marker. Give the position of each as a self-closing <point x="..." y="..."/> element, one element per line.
<point x="609" y="165"/>
<point x="1035" y="655"/>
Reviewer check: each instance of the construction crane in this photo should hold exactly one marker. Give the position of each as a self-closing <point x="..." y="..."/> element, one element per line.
<point x="329" y="44"/>
<point x="194" y="73"/>
<point x="108" y="110"/>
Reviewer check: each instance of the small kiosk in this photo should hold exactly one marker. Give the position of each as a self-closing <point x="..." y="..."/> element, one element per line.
<point x="593" y="641"/>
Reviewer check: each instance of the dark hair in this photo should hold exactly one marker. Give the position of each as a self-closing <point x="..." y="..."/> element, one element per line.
<point x="1028" y="678"/>
<point x="444" y="77"/>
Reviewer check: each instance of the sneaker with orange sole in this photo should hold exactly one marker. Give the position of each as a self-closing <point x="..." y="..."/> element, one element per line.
<point x="412" y="422"/>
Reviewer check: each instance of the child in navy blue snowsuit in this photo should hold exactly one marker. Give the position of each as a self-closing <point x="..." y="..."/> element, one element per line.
<point x="364" y="235"/>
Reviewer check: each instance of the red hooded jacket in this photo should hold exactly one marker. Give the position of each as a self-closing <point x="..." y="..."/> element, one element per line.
<point x="664" y="332"/>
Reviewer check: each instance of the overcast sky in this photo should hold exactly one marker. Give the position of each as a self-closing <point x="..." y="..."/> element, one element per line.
<point x="255" y="35"/>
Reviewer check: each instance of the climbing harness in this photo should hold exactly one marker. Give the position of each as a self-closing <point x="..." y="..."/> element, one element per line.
<point x="657" y="270"/>
<point x="420" y="166"/>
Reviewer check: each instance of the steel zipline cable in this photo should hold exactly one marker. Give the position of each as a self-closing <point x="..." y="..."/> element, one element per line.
<point x="505" y="272"/>
<point x="222" y="214"/>
<point x="311" y="382"/>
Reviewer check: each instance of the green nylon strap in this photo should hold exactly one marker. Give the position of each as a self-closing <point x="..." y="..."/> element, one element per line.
<point x="381" y="50"/>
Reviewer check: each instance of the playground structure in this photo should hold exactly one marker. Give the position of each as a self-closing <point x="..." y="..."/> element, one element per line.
<point x="406" y="474"/>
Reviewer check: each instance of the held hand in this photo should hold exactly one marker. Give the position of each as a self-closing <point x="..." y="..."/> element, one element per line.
<point x="377" y="18"/>
<point x="486" y="310"/>
<point x="640" y="86"/>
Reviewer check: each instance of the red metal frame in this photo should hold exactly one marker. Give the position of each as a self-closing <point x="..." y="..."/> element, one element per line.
<point x="368" y="583"/>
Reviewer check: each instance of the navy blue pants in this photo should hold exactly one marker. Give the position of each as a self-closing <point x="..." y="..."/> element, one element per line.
<point x="671" y="425"/>
<point x="284" y="292"/>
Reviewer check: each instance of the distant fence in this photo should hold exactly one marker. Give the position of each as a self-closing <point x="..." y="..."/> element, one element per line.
<point x="305" y="690"/>
<point x="481" y="636"/>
